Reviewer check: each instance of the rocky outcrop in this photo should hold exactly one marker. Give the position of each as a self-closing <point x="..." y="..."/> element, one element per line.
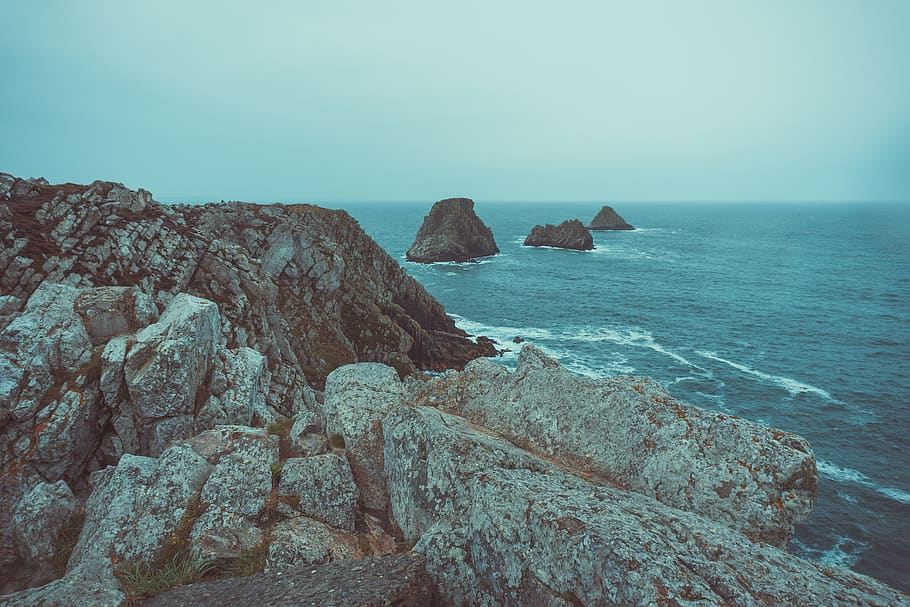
<point x="303" y="286"/>
<point x="751" y="478"/>
<point x="399" y="580"/>
<point x="608" y="219"/>
<point x="452" y="232"/>
<point x="570" y="234"/>
<point x="499" y="526"/>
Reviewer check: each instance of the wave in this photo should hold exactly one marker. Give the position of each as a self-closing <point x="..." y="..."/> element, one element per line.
<point x="849" y="475"/>
<point x="791" y="385"/>
<point x="836" y="555"/>
<point x="632" y="336"/>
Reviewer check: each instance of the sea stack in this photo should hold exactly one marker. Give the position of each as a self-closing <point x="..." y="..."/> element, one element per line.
<point x="452" y="232"/>
<point x="570" y="234"/>
<point x="608" y="219"/>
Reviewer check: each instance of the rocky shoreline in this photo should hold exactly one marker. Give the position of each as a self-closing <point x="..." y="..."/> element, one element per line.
<point x="234" y="389"/>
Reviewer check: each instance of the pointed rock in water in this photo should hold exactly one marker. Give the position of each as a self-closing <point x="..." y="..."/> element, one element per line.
<point x="608" y="219"/>
<point x="452" y="232"/>
<point x="570" y="234"/>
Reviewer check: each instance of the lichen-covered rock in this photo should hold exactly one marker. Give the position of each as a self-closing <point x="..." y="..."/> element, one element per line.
<point x="752" y="478"/>
<point x="237" y="391"/>
<point x="322" y="487"/>
<point x="236" y="492"/>
<point x="110" y="311"/>
<point x="357" y="397"/>
<point x="501" y="527"/>
<point x="39" y="517"/>
<point x="452" y="232"/>
<point x="136" y="506"/>
<point x="608" y="219"/>
<point x="307" y="434"/>
<point x="304" y="541"/>
<point x="570" y="234"/>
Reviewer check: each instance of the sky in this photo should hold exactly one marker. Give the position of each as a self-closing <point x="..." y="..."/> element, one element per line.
<point x="721" y="100"/>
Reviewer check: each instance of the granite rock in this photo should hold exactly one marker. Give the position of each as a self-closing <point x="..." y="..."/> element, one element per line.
<point x="452" y="232"/>
<point x="608" y="219"/>
<point x="570" y="234"/>
<point x="322" y="487"/>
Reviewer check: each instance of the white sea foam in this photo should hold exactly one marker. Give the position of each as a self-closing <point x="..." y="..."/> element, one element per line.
<point x="791" y="385"/>
<point x="849" y="475"/>
<point x="835" y="556"/>
<point x="631" y="336"/>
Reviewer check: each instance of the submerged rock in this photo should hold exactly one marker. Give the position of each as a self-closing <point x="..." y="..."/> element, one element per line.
<point x="570" y="234"/>
<point x="608" y="219"/>
<point x="452" y="232"/>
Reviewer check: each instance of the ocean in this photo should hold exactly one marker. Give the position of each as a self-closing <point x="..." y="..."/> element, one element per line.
<point x="793" y="315"/>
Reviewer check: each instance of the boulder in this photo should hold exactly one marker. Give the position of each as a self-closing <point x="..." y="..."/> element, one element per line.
<point x="608" y="219"/>
<point x="499" y="526"/>
<point x="357" y="397"/>
<point x="237" y="491"/>
<point x="165" y="370"/>
<point x="754" y="479"/>
<point x="38" y="520"/>
<point x="110" y="311"/>
<point x="570" y="234"/>
<point x="452" y="232"/>
<point x="237" y="391"/>
<point x="321" y="487"/>
<point x="303" y="541"/>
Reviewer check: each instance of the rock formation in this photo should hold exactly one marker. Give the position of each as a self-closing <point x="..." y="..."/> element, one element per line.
<point x="608" y="219"/>
<point x="452" y="232"/>
<point x="570" y="234"/>
<point x="144" y="427"/>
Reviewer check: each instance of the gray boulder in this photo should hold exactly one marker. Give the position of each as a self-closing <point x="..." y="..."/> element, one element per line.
<point x="37" y="522"/>
<point x="452" y="232"/>
<point x="357" y="397"/>
<point x="238" y="390"/>
<point x="608" y="219"/>
<point x="236" y="492"/>
<point x="751" y="478"/>
<point x="322" y="487"/>
<point x="303" y="541"/>
<point x="166" y="368"/>
<point x="501" y="527"/>
<point x="110" y="311"/>
<point x="570" y="234"/>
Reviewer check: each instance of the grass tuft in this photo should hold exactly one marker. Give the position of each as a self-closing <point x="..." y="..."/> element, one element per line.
<point x="144" y="580"/>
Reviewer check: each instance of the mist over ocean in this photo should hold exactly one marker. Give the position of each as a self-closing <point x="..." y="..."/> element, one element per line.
<point x="794" y="315"/>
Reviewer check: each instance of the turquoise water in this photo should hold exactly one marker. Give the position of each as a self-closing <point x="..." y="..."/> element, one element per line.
<point x="797" y="316"/>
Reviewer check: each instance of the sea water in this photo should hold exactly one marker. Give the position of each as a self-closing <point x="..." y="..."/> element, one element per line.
<point x="793" y="315"/>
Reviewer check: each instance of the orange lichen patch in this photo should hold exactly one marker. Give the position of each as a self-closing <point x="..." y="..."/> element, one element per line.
<point x="654" y="420"/>
<point x="649" y="444"/>
<point x="638" y="389"/>
<point x="708" y="444"/>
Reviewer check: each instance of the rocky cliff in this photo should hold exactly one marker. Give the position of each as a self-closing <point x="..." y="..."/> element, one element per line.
<point x="570" y="234"/>
<point x="452" y="232"/>
<point x="144" y="443"/>
<point x="608" y="219"/>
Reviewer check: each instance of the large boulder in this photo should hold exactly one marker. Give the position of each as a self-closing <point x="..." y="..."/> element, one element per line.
<point x="166" y="368"/>
<point x="452" y="232"/>
<point x="39" y="519"/>
<point x="303" y="541"/>
<point x="754" y="479"/>
<point x="499" y="526"/>
<point x="357" y="397"/>
<point x="570" y="234"/>
<point x="321" y="487"/>
<point x="608" y="219"/>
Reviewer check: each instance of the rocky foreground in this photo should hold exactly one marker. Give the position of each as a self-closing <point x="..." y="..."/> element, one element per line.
<point x="148" y="431"/>
<point x="570" y="234"/>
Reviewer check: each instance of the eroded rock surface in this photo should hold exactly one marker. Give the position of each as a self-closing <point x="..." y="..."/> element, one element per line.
<point x="570" y="234"/>
<point x="452" y="232"/>
<point x="501" y="527"/>
<point x="608" y="219"/>
<point x="749" y="477"/>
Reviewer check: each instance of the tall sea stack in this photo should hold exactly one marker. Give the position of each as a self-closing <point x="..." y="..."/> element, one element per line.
<point x="452" y="232"/>
<point x="608" y="219"/>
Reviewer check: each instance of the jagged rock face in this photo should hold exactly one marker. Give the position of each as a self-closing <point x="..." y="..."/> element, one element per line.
<point x="608" y="219"/>
<point x="452" y="232"/>
<point x="304" y="286"/>
<point x="751" y="478"/>
<point x="499" y="526"/>
<point x="570" y="234"/>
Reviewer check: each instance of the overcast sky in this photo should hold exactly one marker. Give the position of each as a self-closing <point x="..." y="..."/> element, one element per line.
<point x="419" y="100"/>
